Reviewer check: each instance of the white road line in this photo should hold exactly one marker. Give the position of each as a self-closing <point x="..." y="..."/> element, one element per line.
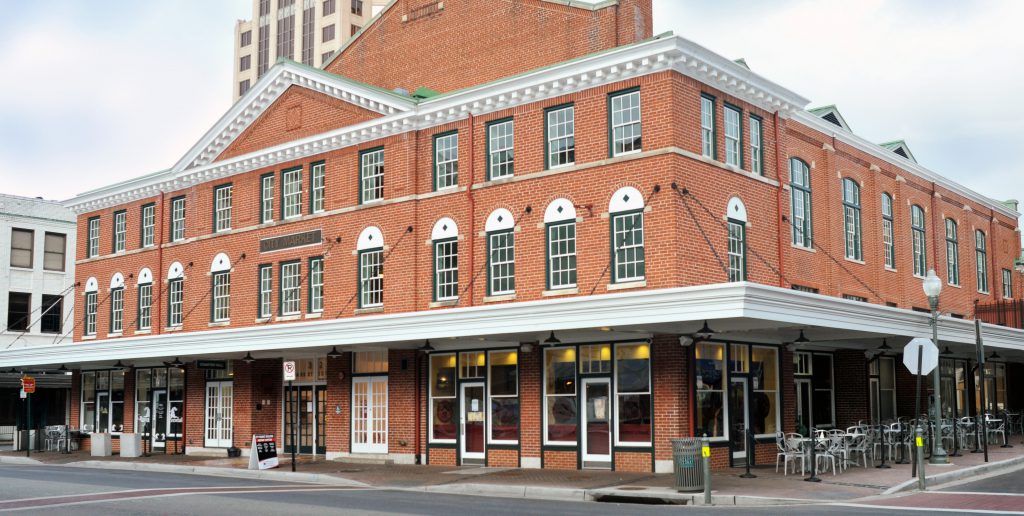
<point x="923" y="509"/>
<point x="979" y="493"/>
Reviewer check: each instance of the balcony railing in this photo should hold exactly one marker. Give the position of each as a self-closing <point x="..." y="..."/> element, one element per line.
<point x="1008" y="313"/>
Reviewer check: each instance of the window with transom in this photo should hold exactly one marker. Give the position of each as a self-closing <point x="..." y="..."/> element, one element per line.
<point x="851" y="219"/>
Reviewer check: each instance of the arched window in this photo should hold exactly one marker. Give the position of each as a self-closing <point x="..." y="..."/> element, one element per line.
<point x="501" y="253"/>
<point x="144" y="316"/>
<point x="800" y="189"/>
<point x="117" y="303"/>
<point x="887" y="237"/>
<point x="851" y="219"/>
<point x="370" y="248"/>
<point x="91" y="291"/>
<point x="175" y="294"/>
<point x="560" y="228"/>
<point x="626" y="209"/>
<point x="737" y="221"/>
<point x="445" y="239"/>
<point x="981" y="253"/>
<point x="220" y="302"/>
<point x="952" y="253"/>
<point x="918" y="236"/>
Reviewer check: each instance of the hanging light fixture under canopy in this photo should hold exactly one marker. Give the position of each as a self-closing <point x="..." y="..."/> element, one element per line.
<point x="801" y="339"/>
<point x="552" y="339"/>
<point x="426" y="347"/>
<point x="946" y="352"/>
<point x="994" y="356"/>
<point x="884" y="346"/>
<point x="62" y="369"/>
<point x="334" y="353"/>
<point x="248" y="359"/>
<point x="704" y="332"/>
<point x="119" y="365"/>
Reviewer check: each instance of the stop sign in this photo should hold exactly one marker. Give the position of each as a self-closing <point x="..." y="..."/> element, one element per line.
<point x="28" y="384"/>
<point x="929" y="356"/>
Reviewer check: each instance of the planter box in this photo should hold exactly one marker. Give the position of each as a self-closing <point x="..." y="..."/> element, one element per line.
<point x="101" y="445"/>
<point x="131" y="445"/>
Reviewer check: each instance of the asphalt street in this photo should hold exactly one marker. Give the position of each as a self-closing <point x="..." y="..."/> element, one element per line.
<point x="79" y="491"/>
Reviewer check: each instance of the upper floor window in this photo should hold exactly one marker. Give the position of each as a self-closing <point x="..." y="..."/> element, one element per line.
<point x="889" y="245"/>
<point x="22" y="246"/>
<point x="290" y="288"/>
<point x="117" y="304"/>
<point x="222" y="208"/>
<point x="316" y="285"/>
<point x="370" y="248"/>
<point x="733" y="136"/>
<point x="500" y="149"/>
<point x="501" y="253"/>
<point x="266" y="308"/>
<point x="800" y="187"/>
<point x="148" y="216"/>
<point x="756" y="146"/>
<point x="328" y="7"/>
<point x="626" y="209"/>
<point x="371" y="175"/>
<point x="446" y="260"/>
<point x="177" y="219"/>
<point x="918" y="240"/>
<point x="851" y="219"/>
<point x="981" y="253"/>
<point x="291" y="193"/>
<point x="952" y="253"/>
<point x="626" y="135"/>
<point x="328" y="33"/>
<point x="220" y="270"/>
<point x="707" y="127"/>
<point x="175" y="295"/>
<point x="144" y="315"/>
<point x="245" y="39"/>
<point x="94" y="237"/>
<point x="54" y="248"/>
<point x="1007" y="284"/>
<point x="52" y="318"/>
<point x="560" y="223"/>
<point x="560" y="130"/>
<point x="317" y="173"/>
<point x="737" y="222"/>
<point x="18" y="311"/>
<point x="267" y="198"/>
<point x="446" y="160"/>
<point x="89" y="321"/>
<point x="120" y="230"/>
<point x="244" y="63"/>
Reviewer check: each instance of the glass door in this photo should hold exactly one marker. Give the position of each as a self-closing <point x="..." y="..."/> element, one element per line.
<point x="473" y="424"/>
<point x="218" y="414"/>
<point x="739" y="412"/>
<point x="803" y="406"/>
<point x="597" y="435"/>
<point x="159" y="434"/>
<point x="102" y="412"/>
<point x="370" y="414"/>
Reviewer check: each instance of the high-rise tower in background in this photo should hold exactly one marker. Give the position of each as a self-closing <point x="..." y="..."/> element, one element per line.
<point x="307" y="31"/>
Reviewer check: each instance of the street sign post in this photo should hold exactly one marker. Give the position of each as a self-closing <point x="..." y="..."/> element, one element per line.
<point x="28" y="384"/>
<point x="289" y="376"/>
<point x="289" y="371"/>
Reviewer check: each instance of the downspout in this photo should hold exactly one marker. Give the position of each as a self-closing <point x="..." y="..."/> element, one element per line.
<point x="472" y="209"/>
<point x="778" y="200"/>
<point x="159" y="267"/>
<point x="935" y="233"/>
<point x="416" y="272"/>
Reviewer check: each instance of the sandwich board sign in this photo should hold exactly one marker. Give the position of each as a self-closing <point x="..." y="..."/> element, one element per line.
<point x="263" y="454"/>
<point x="929" y="356"/>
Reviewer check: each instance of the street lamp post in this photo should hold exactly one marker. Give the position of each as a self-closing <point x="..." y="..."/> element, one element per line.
<point x="932" y="288"/>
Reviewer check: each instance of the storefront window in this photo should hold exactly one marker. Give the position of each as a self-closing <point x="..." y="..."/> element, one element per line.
<point x="596" y="359"/>
<point x="103" y="401"/>
<point x="442" y="398"/>
<point x="882" y="377"/>
<point x="633" y="384"/>
<point x="764" y="377"/>
<point x="560" y="414"/>
<point x="88" y="401"/>
<point x="738" y="358"/>
<point x="471" y="365"/>
<point x="504" y="393"/>
<point x="821" y="379"/>
<point x="370" y="362"/>
<point x="995" y="388"/>
<point x="710" y="389"/>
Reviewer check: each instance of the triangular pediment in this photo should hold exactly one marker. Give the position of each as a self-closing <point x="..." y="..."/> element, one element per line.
<point x="831" y="115"/>
<point x="285" y="100"/>
<point x="901" y="148"/>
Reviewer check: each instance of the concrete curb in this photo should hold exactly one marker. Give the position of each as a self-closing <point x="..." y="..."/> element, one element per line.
<point x="20" y="460"/>
<point x="210" y="471"/>
<point x="953" y="476"/>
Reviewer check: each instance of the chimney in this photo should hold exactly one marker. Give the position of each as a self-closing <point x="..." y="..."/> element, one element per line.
<point x="635" y="21"/>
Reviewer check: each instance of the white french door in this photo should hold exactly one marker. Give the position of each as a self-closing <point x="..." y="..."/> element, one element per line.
<point x="218" y="414"/>
<point x="370" y="414"/>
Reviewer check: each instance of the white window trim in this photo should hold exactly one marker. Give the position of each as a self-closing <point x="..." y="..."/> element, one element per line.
<point x="222" y="207"/>
<point x="492" y="149"/>
<point x="490" y="264"/>
<point x="437" y="271"/>
<point x="735" y="141"/>
<point x="615" y="396"/>
<point x="297" y="288"/>
<point x="287" y="201"/>
<point x="370" y="161"/>
<point x="226" y="299"/>
<point x="316" y="285"/>
<point x="431" y="398"/>
<point x="550" y="138"/>
<point x="544" y="398"/>
<point x="638" y="122"/>
<point x="446" y="143"/>
<point x="778" y="390"/>
<point x="177" y="208"/>
<point x="318" y="187"/>
<point x="615" y="247"/>
<point x="488" y="396"/>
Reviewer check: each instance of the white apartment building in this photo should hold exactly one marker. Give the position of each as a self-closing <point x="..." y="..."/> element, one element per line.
<point x="307" y="31"/>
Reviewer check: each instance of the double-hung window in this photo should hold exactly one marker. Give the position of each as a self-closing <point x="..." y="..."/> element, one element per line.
<point x="291" y="193"/>
<point x="918" y="240"/>
<point x="175" y="302"/>
<point x="446" y="269"/>
<point x="177" y="219"/>
<point x="446" y="160"/>
<point x="887" y="236"/>
<point x="800" y="186"/>
<point x="267" y="198"/>
<point x="371" y="277"/>
<point x="560" y="132"/>
<point x="317" y="173"/>
<point x="628" y="246"/>
<point x="266" y="308"/>
<point x="145" y="306"/>
<point x="94" y="237"/>
<point x="851" y="219"/>
<point x="221" y="311"/>
<point x="756" y="145"/>
<point x="733" y="136"/>
<point x="222" y="208"/>
<point x="501" y="262"/>
<point x="316" y="285"/>
<point x="500" y="149"/>
<point x="562" y="254"/>
<point x="90" y="313"/>
<point x="290" y="288"/>
<point x="1007" y="284"/>
<point x="371" y="175"/>
<point x="117" y="310"/>
<point x="737" y="250"/>
<point x="148" y="225"/>
<point x="952" y="253"/>
<point x="981" y="254"/>
<point x="707" y="127"/>
<point x="120" y="230"/>
<point x="22" y="247"/>
<point x="626" y="135"/>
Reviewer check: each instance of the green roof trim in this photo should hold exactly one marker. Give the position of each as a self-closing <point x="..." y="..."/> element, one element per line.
<point x="899" y="147"/>
<point x="742" y="62"/>
<point x="424" y="92"/>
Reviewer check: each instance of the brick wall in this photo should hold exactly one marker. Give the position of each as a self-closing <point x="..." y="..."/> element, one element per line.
<point x="851" y="387"/>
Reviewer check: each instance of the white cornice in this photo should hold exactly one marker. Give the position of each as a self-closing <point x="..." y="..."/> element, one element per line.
<point x="781" y="307"/>
<point x="873" y="149"/>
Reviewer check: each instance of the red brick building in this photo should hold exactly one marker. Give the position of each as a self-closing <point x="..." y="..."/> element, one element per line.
<point x="525" y="233"/>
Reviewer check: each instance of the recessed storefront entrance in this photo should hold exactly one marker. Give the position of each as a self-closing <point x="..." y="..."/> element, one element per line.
<point x="219" y="398"/>
<point x="370" y="414"/>
<point x="306" y="408"/>
<point x="597" y="432"/>
<point x="474" y="423"/>
<point x="739" y="412"/>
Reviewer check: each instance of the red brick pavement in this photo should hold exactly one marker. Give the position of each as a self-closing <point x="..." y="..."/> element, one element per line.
<point x="954" y="501"/>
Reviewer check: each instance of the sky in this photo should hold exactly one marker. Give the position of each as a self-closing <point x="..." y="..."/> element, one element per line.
<point x="93" y="93"/>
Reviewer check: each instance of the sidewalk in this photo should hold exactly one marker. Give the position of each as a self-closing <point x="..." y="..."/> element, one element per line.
<point x="769" y="488"/>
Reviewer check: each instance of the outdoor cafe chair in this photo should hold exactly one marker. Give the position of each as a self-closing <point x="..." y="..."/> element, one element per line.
<point x="788" y="451"/>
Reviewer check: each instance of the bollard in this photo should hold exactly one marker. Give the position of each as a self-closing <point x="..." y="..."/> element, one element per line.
<point x="814" y="459"/>
<point x="705" y="453"/>
<point x="750" y="453"/>
<point x="919" y="446"/>
<point x="884" y="448"/>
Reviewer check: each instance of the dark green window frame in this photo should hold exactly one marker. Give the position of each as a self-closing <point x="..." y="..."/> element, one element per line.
<point x="142" y="224"/>
<point x="170" y="216"/>
<point x="611" y="129"/>
<point x="547" y="153"/>
<point x="138" y="306"/>
<point x="743" y="255"/>
<point x="547" y="253"/>
<point x="359" y="276"/>
<point x="919" y="248"/>
<point x="615" y="245"/>
<point x="714" y="124"/>
<point x="113" y="240"/>
<point x="803" y="232"/>
<point x="757" y="166"/>
<point x="263" y="198"/>
<point x="981" y="259"/>
<point x="216" y="190"/>
<point x="434" y="283"/>
<point x="110" y="323"/>
<point x="741" y="140"/>
<point x="511" y="232"/>
<point x="89" y="251"/>
<point x="280" y="288"/>
<point x="434" y="175"/>
<point x="284" y="201"/>
<point x="312" y="187"/>
<point x="260" y="314"/>
<point x="487" y="147"/>
<point x="852" y="214"/>
<point x="309" y="284"/>
<point x="359" y="174"/>
<point x="170" y="304"/>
